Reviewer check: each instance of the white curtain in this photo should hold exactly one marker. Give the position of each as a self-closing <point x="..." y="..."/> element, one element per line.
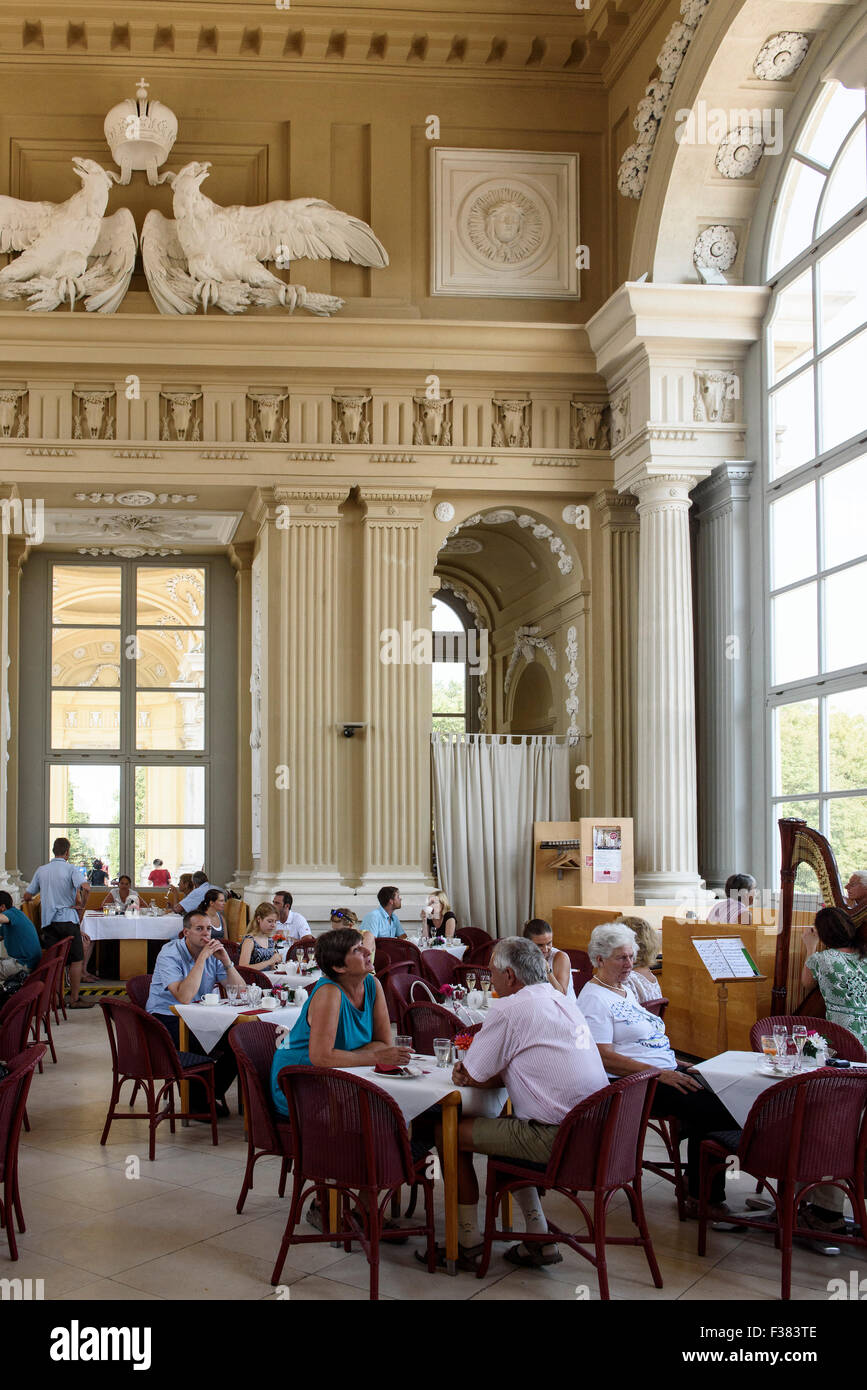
<point x="488" y="789"/>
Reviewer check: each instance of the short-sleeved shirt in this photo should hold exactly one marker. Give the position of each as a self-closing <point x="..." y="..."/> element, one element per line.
<point x="354" y="1030"/>
<point x="729" y="910"/>
<point x="842" y="978"/>
<point x="539" y="1042"/>
<point x="174" y="963"/>
<point x="642" y="988"/>
<point x="623" y="1024"/>
<point x="378" y="923"/>
<point x="193" y="899"/>
<point x="57" y="884"/>
<point x="294" y="927"/>
<point x="159" y="877"/>
<point x="20" y="938"/>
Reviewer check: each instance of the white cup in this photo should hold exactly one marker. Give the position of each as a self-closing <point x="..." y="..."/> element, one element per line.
<point x="211" y="999"/>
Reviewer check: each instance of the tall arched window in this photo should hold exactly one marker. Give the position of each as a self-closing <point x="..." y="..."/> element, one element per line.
<point x="815" y="354"/>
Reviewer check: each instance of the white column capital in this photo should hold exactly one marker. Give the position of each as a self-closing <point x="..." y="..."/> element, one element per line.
<point x="728" y="483"/>
<point x="663" y="492"/>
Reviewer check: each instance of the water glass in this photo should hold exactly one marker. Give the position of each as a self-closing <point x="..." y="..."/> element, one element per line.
<point x="770" y="1046"/>
<point x="442" y="1051"/>
<point x="234" y="994"/>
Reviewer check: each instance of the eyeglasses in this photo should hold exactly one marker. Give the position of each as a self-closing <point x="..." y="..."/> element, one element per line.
<point x="335" y="912"/>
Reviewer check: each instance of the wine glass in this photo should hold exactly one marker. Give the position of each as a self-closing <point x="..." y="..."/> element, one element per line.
<point x="471" y="981"/>
<point x="781" y="1036"/>
<point x="311" y="955"/>
<point x="799" y="1038"/>
<point x="299" y="956"/>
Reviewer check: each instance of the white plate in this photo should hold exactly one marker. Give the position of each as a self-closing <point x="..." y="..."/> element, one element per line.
<point x="766" y="1070"/>
<point x="405" y="1074"/>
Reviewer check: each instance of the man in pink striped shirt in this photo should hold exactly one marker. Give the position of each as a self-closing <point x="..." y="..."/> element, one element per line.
<point x="536" y="1043"/>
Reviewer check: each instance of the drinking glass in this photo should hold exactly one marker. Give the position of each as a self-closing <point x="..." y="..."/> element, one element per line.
<point x="403" y="1040"/>
<point x="471" y="980"/>
<point x="770" y="1046"/>
<point x="311" y="954"/>
<point x="442" y="1051"/>
<point x="799" y="1037"/>
<point x="299" y="956"/>
<point x="234" y="994"/>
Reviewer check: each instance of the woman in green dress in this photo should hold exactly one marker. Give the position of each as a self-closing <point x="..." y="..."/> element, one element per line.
<point x="838" y="966"/>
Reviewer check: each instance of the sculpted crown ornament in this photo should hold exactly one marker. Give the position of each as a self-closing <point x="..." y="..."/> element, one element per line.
<point x="140" y="134"/>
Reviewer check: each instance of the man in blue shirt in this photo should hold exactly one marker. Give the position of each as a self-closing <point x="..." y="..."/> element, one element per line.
<point x="62" y="890"/>
<point x="185" y="969"/>
<point x="383" y="920"/>
<point x="18" y="935"/>
<point x="200" y="888"/>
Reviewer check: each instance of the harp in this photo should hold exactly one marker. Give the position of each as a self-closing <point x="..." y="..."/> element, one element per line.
<point x="808" y="868"/>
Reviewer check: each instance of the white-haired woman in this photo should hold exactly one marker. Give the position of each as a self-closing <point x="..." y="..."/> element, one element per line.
<point x="630" y="1039"/>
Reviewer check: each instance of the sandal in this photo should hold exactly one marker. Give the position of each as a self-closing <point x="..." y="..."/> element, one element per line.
<point x="467" y="1260"/>
<point x="80" y="1004"/>
<point x="533" y="1259"/>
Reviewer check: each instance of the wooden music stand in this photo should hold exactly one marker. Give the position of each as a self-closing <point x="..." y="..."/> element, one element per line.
<point x="722" y="994"/>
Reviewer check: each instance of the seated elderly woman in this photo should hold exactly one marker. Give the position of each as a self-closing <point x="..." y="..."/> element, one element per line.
<point x="642" y="982"/>
<point x="630" y="1040"/>
<point x="344" y="1023"/>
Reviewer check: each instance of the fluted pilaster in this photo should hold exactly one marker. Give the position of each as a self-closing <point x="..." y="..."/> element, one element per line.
<point x="396" y="694"/>
<point x="616" y="611"/>
<point x="722" y="664"/>
<point x="666" y="849"/>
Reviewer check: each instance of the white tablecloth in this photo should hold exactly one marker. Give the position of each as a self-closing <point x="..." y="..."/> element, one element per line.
<point x="414" y="1096"/>
<point x="735" y="1077"/>
<point x="210" y="1021"/>
<point x="131" y="928"/>
<point x="454" y="948"/>
<point x="291" y="978"/>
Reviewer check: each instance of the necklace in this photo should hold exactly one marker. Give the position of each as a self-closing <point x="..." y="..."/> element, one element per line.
<point x="618" y="989"/>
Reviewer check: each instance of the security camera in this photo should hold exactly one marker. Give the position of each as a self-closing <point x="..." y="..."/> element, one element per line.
<point x="349" y="729"/>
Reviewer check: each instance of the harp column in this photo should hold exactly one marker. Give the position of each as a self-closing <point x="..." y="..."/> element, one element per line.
<point x="396" y="841"/>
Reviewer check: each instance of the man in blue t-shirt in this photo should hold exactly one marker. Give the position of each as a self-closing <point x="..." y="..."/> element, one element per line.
<point x="19" y="936"/>
<point x="383" y="920"/>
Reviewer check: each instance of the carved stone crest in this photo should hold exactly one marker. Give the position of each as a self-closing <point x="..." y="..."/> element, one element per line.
<point x="350" y="418"/>
<point x="432" y="423"/>
<point x="93" y="413"/>
<point x="511" y="425"/>
<point x="590" y="425"/>
<point x="267" y="417"/>
<point x="181" y="415"/>
<point x="713" y="401"/>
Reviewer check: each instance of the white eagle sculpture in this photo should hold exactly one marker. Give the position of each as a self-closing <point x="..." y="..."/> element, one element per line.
<point x="214" y="255"/>
<point x="70" y="250"/>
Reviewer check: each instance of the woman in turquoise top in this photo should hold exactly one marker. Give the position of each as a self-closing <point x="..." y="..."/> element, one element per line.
<point x="345" y="1021"/>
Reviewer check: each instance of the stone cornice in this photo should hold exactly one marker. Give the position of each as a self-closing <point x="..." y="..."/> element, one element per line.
<point x="293" y="349"/>
<point x="695" y="321"/>
<point x="500" y="40"/>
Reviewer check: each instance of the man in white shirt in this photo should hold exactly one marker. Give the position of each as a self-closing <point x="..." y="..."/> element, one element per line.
<point x="292" y="924"/>
<point x="536" y="1043"/>
<point x="193" y="900"/>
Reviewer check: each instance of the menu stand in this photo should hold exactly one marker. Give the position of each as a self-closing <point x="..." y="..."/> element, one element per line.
<point x="722" y="994"/>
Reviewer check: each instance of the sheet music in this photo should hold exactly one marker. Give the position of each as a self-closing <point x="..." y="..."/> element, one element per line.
<point x="725" y="957"/>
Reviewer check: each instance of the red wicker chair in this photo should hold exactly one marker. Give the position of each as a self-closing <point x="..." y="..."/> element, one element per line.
<point x="424" y="1022"/>
<point x="268" y="1132"/>
<point x="598" y="1150"/>
<point x="480" y="955"/>
<point x="396" y="981"/>
<point x="844" y="1043"/>
<point x="13" y="1102"/>
<point x="472" y="937"/>
<point x="656" y="1006"/>
<point x="390" y="951"/>
<point x="233" y="950"/>
<point x="138" y="987"/>
<point x="800" y="1133"/>
<point x="582" y="970"/>
<point x="16" y="1021"/>
<point x="438" y="968"/>
<point x="352" y="1140"/>
<point x="46" y="975"/>
<point x="253" y="977"/>
<point x="142" y="1050"/>
<point x="59" y="951"/>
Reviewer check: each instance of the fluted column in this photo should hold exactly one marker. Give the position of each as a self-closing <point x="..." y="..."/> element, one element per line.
<point x="615" y="609"/>
<point x="241" y="557"/>
<point x="666" y="848"/>
<point x="296" y="611"/>
<point x="722" y="627"/>
<point x="397" y="694"/>
<point x="13" y="555"/>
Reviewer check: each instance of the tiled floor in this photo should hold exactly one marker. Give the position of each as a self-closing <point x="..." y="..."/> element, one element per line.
<point x="100" y="1226"/>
